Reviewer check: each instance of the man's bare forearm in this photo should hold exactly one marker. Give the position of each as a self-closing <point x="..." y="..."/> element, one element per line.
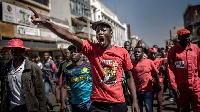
<point x="157" y="79"/>
<point x="131" y="86"/>
<point x="64" y="33"/>
<point x="63" y="93"/>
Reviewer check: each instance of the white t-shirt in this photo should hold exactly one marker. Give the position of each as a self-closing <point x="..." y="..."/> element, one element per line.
<point x="15" y="85"/>
<point x="40" y="65"/>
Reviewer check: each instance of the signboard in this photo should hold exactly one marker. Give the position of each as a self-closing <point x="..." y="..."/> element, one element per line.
<point x="28" y="30"/>
<point x="23" y="16"/>
<point x="18" y="15"/>
<point x="47" y="35"/>
<point x="63" y="45"/>
<point x="8" y="12"/>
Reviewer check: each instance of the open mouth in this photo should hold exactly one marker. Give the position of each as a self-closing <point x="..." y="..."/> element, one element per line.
<point x="101" y="40"/>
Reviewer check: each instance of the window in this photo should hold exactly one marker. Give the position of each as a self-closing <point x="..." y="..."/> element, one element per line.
<point x="99" y="17"/>
<point x="44" y="2"/>
<point x="80" y="27"/>
<point x="79" y="8"/>
<point x="86" y="1"/>
<point x="73" y="6"/>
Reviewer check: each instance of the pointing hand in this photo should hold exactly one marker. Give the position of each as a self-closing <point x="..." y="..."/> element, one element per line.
<point x="37" y="19"/>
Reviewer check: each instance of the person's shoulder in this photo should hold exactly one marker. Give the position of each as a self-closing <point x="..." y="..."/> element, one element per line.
<point x="148" y="60"/>
<point x="40" y="63"/>
<point x="6" y="65"/>
<point x="134" y="61"/>
<point x="51" y="61"/>
<point x="87" y="42"/>
<point x="120" y="49"/>
<point x="172" y="49"/>
<point x="117" y="47"/>
<point x="86" y="64"/>
<point x="70" y="65"/>
<point x="194" y="46"/>
<point x="62" y="63"/>
<point x="31" y="63"/>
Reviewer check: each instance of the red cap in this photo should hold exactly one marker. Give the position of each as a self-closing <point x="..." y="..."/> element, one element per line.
<point x="15" y="43"/>
<point x="153" y="49"/>
<point x="183" y="32"/>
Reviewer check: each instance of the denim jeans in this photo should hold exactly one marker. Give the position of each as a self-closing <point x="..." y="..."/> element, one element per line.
<point x="49" y="85"/>
<point x="147" y="98"/>
<point x="47" y="88"/>
<point x="68" y="101"/>
<point x="53" y="87"/>
<point x="84" y="107"/>
<point x="108" y="107"/>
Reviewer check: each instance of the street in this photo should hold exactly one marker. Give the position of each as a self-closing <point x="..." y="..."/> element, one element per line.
<point x="167" y="105"/>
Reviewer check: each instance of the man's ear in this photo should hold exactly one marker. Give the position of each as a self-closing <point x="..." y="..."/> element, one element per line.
<point x="111" y="33"/>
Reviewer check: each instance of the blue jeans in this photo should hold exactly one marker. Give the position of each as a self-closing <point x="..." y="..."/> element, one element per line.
<point x="84" y="107"/>
<point x="47" y="88"/>
<point x="147" y="98"/>
<point x="49" y="85"/>
<point x="53" y="87"/>
<point x="68" y="101"/>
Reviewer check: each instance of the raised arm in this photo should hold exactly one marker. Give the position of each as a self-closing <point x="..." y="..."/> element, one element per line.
<point x="58" y="30"/>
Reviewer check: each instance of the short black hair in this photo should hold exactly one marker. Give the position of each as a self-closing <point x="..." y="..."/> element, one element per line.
<point x="140" y="47"/>
<point x="47" y="52"/>
<point x="162" y="48"/>
<point x="127" y="41"/>
<point x="36" y="56"/>
<point x="71" y="47"/>
<point x="155" y="46"/>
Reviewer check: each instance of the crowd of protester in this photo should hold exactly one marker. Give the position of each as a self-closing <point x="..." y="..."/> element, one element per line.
<point x="100" y="77"/>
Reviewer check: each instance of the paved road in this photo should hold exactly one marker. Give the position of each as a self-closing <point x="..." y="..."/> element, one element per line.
<point x="167" y="105"/>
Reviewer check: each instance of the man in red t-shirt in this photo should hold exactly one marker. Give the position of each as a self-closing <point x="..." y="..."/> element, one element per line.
<point x="159" y="63"/>
<point x="143" y="71"/>
<point x="106" y="61"/>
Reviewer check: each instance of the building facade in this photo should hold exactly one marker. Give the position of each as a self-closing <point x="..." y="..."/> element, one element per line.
<point x="15" y="22"/>
<point x="80" y="18"/>
<point x="100" y="12"/>
<point x="191" y="18"/>
<point x="75" y="15"/>
<point x="173" y="32"/>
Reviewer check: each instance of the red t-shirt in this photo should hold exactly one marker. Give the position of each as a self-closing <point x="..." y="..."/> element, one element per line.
<point x="158" y="63"/>
<point x="142" y="73"/>
<point x="106" y="66"/>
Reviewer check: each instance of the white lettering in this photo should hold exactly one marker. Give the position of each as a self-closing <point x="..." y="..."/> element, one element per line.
<point x="108" y="62"/>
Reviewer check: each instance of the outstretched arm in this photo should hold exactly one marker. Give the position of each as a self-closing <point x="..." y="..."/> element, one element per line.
<point x="58" y="30"/>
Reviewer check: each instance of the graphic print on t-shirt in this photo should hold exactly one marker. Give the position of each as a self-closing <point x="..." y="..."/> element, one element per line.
<point x="109" y="77"/>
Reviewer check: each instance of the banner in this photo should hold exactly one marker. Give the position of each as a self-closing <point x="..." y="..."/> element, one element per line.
<point x="28" y="30"/>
